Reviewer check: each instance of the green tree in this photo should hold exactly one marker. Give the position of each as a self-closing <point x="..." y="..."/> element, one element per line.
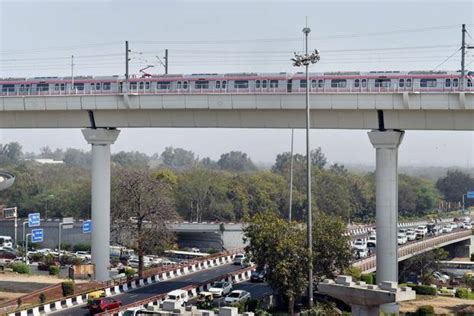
<point x="131" y="159"/>
<point x="178" y="158"/>
<point x="10" y="153"/>
<point x="280" y="246"/>
<point x="424" y="264"/>
<point x="236" y="161"/>
<point x="454" y="185"/>
<point x="331" y="193"/>
<point x="267" y="191"/>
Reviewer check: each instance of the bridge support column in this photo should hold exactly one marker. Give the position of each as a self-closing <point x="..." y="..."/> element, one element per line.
<point x="100" y="139"/>
<point x="386" y="182"/>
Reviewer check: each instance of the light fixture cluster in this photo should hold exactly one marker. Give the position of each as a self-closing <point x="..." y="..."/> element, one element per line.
<point x="306" y="59"/>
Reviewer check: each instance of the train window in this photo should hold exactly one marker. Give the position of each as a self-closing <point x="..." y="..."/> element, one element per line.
<point x="224" y="84"/>
<point x="97" y="86"/>
<point x="185" y="84"/>
<point x="201" y="84"/>
<point x="382" y="82"/>
<point x="147" y="85"/>
<point x="178" y="85"/>
<point x="92" y="86"/>
<point x="133" y="86"/>
<point x="356" y="83"/>
<point x="427" y="83"/>
<point x="313" y="83"/>
<point x="364" y="83"/>
<point x="469" y="82"/>
<point x="8" y="88"/>
<point x="106" y="86"/>
<point x="163" y="85"/>
<point x="257" y="84"/>
<point x="338" y="83"/>
<point x="273" y="83"/>
<point x="241" y="84"/>
<point x="140" y="85"/>
<point x="455" y="82"/>
<point x="408" y="83"/>
<point x="303" y="83"/>
<point x="62" y="87"/>
<point x="401" y="83"/>
<point x="264" y="83"/>
<point x="22" y="88"/>
<point x="447" y="83"/>
<point x="320" y="83"/>
<point x="79" y="86"/>
<point x="56" y="87"/>
<point x="218" y="84"/>
<point x="42" y="87"/>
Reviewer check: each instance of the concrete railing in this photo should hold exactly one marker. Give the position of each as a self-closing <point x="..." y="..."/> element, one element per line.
<point x="404" y="252"/>
<point x="193" y="290"/>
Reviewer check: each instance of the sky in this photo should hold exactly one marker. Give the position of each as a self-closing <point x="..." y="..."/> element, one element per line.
<point x="38" y="38"/>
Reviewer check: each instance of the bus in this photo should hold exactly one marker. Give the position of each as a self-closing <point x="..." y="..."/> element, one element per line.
<point x="120" y="252"/>
<point x="179" y="255"/>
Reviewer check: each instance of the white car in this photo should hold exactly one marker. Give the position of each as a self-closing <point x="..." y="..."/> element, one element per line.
<point x="237" y="296"/>
<point x="359" y="244"/>
<point x="467" y="225"/>
<point x="359" y="254"/>
<point x="411" y="235"/>
<point x="239" y="259"/>
<point x="447" y="228"/>
<point x="372" y="241"/>
<point x="441" y="277"/>
<point x="421" y="231"/>
<point x="401" y="239"/>
<point x="220" y="288"/>
<point x="83" y="255"/>
<point x="454" y="225"/>
<point x="179" y="296"/>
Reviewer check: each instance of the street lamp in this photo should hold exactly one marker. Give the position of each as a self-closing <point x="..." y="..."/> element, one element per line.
<point x="306" y="60"/>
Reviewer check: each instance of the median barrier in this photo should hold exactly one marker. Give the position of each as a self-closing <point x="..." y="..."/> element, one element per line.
<point x="117" y="286"/>
<point x="193" y="290"/>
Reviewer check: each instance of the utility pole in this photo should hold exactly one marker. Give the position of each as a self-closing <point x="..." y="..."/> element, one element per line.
<point x="463" y="53"/>
<point x="72" y="73"/>
<point x="127" y="59"/>
<point x="291" y="176"/>
<point x="166" y="61"/>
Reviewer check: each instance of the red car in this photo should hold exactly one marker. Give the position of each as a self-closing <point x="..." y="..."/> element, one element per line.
<point x="103" y="304"/>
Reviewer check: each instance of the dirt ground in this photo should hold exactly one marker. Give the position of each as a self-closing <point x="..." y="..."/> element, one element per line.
<point x="441" y="304"/>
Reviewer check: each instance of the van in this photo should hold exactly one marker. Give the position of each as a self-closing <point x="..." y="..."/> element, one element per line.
<point x="179" y="296"/>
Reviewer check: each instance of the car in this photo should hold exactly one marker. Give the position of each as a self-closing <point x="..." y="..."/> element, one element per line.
<point x="411" y="235"/>
<point x="359" y="244"/>
<point x="447" y="228"/>
<point x="421" y="231"/>
<point x="220" y="288"/>
<point x="437" y="230"/>
<point x="138" y="311"/>
<point x="359" y="254"/>
<point x="401" y="239"/>
<point x="454" y="225"/>
<point x="179" y="296"/>
<point x="441" y="277"/>
<point x="103" y="304"/>
<point x="83" y="255"/>
<point x="94" y="296"/>
<point x="460" y="225"/>
<point x="7" y="256"/>
<point x="237" y="296"/>
<point x="257" y="275"/>
<point x="467" y="225"/>
<point x="372" y="241"/>
<point x="239" y="259"/>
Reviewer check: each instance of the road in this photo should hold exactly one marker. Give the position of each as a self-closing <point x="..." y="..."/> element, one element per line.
<point x="159" y="288"/>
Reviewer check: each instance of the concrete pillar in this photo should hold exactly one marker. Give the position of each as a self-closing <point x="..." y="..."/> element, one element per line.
<point x="386" y="182"/>
<point x="362" y="310"/>
<point x="100" y="139"/>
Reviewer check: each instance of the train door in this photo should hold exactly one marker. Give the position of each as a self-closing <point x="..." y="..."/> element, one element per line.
<point x="289" y="85"/>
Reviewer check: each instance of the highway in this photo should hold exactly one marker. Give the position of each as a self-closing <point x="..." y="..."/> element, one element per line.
<point x="159" y="288"/>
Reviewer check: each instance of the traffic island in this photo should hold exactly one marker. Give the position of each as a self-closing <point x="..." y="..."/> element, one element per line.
<point x="365" y="299"/>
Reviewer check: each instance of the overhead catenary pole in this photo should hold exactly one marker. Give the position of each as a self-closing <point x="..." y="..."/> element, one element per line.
<point x="72" y="72"/>
<point x="127" y="59"/>
<point x="166" y="61"/>
<point x="463" y="54"/>
<point x="291" y="176"/>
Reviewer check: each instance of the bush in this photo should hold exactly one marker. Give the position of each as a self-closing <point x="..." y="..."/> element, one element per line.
<point x="66" y="246"/>
<point x="68" y="288"/>
<point x="212" y="251"/>
<point x="354" y="272"/>
<point x="367" y="278"/>
<point x="129" y="272"/>
<point x="462" y="293"/>
<point x="54" y="270"/>
<point x="425" y="310"/>
<point x="36" y="257"/>
<point x="82" y="247"/>
<point x="21" y="268"/>
<point x="66" y="259"/>
<point x="423" y="289"/>
<point x="253" y="305"/>
<point x="42" y="298"/>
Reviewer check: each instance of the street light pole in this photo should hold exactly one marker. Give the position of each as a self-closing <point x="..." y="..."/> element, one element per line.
<point x="306" y="60"/>
<point x="463" y="203"/>
<point x="291" y="176"/>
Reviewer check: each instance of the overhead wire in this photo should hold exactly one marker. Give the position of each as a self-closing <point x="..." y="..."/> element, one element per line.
<point x="448" y="58"/>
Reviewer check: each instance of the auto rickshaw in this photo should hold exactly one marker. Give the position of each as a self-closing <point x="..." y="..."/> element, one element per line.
<point x="205" y="300"/>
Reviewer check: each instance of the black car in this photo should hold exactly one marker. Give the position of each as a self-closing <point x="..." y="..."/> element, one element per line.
<point x="257" y="276"/>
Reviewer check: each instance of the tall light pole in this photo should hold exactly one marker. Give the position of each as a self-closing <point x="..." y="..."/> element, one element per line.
<point x="298" y="61"/>
<point x="291" y="176"/>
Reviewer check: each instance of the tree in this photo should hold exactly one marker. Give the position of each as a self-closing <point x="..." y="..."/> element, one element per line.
<point x="454" y="185"/>
<point x="318" y="159"/>
<point x="76" y="157"/>
<point x="178" y="158"/>
<point x="424" y="264"/>
<point x="131" y="159"/>
<point x="236" y="161"/>
<point x="11" y="153"/>
<point x="267" y="191"/>
<point x="141" y="205"/>
<point x="280" y="246"/>
<point x="331" y="193"/>
<point x="332" y="252"/>
<point x="416" y="197"/>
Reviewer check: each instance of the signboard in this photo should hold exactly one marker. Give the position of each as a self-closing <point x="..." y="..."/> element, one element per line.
<point x="470" y="194"/>
<point x="37" y="235"/>
<point x="34" y="219"/>
<point x="68" y="223"/>
<point x="87" y="227"/>
<point x="10" y="212"/>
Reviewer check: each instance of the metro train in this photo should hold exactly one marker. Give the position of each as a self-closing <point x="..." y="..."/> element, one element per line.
<point x="240" y="83"/>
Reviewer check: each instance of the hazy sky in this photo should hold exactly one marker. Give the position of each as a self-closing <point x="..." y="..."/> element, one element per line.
<point x="38" y="38"/>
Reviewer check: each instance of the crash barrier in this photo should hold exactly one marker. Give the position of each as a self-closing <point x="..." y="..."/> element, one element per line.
<point x="368" y="264"/>
<point x="150" y="276"/>
<point x="193" y="290"/>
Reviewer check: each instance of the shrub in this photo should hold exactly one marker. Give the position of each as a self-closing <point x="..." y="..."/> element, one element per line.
<point x="21" y="268"/>
<point x="425" y="310"/>
<point x="253" y="305"/>
<point x="66" y="246"/>
<point x="65" y="259"/>
<point x="367" y="278"/>
<point x="82" y="247"/>
<point x="354" y="272"/>
<point x="42" y="298"/>
<point x="423" y="289"/>
<point x="129" y="272"/>
<point x="462" y="293"/>
<point x="212" y="251"/>
<point x="68" y="288"/>
<point x="36" y="257"/>
<point x="54" y="270"/>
